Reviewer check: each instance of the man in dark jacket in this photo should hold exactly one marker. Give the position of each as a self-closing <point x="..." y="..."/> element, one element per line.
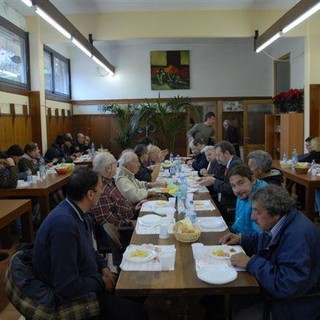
<point x="221" y="190"/>
<point x="285" y="259"/>
<point x="56" y="152"/>
<point x="64" y="257"/>
<point x="200" y="161"/>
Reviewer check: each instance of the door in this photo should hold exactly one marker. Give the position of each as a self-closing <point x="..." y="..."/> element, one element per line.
<point x="254" y="112"/>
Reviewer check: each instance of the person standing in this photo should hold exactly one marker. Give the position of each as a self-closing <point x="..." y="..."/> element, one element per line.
<point x="231" y="134"/>
<point x="204" y="130"/>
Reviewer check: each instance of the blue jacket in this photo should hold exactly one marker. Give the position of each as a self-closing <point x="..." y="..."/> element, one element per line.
<point x="63" y="254"/>
<point x="289" y="267"/>
<point x="243" y="222"/>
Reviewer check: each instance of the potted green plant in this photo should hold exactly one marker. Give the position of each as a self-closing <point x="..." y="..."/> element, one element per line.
<point x="169" y="118"/>
<point x="128" y="122"/>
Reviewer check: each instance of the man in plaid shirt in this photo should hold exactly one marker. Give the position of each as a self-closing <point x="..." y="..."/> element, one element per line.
<point x="112" y="206"/>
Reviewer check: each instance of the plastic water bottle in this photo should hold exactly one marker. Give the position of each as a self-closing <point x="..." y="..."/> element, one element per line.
<point x="171" y="157"/>
<point x="42" y="169"/>
<point x="92" y="150"/>
<point x="191" y="212"/>
<point x="178" y="164"/>
<point x="172" y="169"/>
<point x="294" y="156"/>
<point x="180" y="204"/>
<point x="284" y="158"/>
<point x="313" y="168"/>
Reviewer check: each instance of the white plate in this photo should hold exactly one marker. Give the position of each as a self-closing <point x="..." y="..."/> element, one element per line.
<point x="164" y="211"/>
<point x="218" y="274"/>
<point x="228" y="250"/>
<point x="149" y="254"/>
<point x="150" y="219"/>
<point x="210" y="223"/>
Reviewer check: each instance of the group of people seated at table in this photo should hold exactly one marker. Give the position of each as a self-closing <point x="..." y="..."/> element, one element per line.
<point x="281" y="244"/>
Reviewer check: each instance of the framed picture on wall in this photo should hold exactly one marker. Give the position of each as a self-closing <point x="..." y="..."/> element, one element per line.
<point x="170" y="70"/>
<point x="232" y="106"/>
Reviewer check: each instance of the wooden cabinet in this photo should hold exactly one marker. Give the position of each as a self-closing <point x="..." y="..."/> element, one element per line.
<point x="283" y="133"/>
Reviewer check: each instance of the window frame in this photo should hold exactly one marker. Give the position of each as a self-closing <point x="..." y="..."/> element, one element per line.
<point x="10" y="85"/>
<point x="52" y="94"/>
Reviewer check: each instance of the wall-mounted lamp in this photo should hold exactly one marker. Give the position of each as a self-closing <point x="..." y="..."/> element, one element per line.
<point x="300" y="12"/>
<point x="53" y="16"/>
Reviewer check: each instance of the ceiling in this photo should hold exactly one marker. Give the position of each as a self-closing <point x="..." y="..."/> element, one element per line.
<point x="101" y="6"/>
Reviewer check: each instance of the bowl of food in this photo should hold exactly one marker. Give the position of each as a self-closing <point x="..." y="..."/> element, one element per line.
<point x="61" y="170"/>
<point x="69" y="166"/>
<point x="301" y="167"/>
<point x="185" y="231"/>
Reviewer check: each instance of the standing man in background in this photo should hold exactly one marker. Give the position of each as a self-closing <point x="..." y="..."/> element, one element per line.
<point x="204" y="130"/>
<point x="231" y="134"/>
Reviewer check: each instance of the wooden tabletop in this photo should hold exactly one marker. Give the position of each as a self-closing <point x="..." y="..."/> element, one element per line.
<point x="13" y="209"/>
<point x="183" y="280"/>
<point x="310" y="182"/>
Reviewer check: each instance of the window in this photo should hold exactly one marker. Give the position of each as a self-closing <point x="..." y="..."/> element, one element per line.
<point x="14" y="56"/>
<point x="56" y="74"/>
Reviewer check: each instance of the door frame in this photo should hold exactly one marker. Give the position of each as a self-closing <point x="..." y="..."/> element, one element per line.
<point x="247" y="147"/>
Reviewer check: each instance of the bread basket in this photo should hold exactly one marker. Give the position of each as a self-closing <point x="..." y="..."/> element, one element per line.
<point x="186" y="236"/>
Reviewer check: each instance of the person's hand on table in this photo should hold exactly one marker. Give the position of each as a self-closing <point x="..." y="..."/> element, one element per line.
<point x="240" y="260"/>
<point x="158" y="184"/>
<point x="139" y="204"/>
<point x="109" y="279"/>
<point x="230" y="238"/>
<point x="189" y="162"/>
<point x="207" y="181"/>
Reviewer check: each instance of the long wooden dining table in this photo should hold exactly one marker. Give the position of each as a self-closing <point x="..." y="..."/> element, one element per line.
<point x="12" y="210"/>
<point x="310" y="182"/>
<point x="41" y="190"/>
<point x="183" y="279"/>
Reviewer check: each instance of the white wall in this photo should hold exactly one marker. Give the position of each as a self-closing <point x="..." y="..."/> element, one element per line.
<point x="218" y="67"/>
<point x="294" y="46"/>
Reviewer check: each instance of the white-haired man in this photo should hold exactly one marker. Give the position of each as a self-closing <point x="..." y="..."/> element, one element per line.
<point x="131" y="188"/>
<point x="112" y="207"/>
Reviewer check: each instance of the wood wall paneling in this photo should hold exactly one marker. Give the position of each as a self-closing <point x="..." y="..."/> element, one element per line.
<point x="34" y="104"/>
<point x="314" y="110"/>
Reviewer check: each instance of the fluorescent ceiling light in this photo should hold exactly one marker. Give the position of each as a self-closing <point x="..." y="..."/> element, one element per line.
<point x="268" y="42"/>
<point x="8" y="73"/>
<point x="81" y="47"/>
<point x="27" y="2"/>
<point x="303" y="17"/>
<point x="46" y="17"/>
<point x="101" y="64"/>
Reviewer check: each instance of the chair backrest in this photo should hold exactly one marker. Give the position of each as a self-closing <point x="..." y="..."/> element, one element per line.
<point x="113" y="237"/>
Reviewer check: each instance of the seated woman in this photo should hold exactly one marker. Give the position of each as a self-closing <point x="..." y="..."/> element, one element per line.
<point x="214" y="168"/>
<point x="244" y="183"/>
<point x="156" y="155"/>
<point x="260" y="163"/>
<point x="29" y="160"/>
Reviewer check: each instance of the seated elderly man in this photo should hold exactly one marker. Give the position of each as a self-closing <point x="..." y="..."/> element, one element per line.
<point x="131" y="188"/>
<point x="200" y="161"/>
<point x="112" y="206"/>
<point x="260" y="163"/>
<point x="285" y="259"/>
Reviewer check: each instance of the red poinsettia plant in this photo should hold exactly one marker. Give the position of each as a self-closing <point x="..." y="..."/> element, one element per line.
<point x="289" y="101"/>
